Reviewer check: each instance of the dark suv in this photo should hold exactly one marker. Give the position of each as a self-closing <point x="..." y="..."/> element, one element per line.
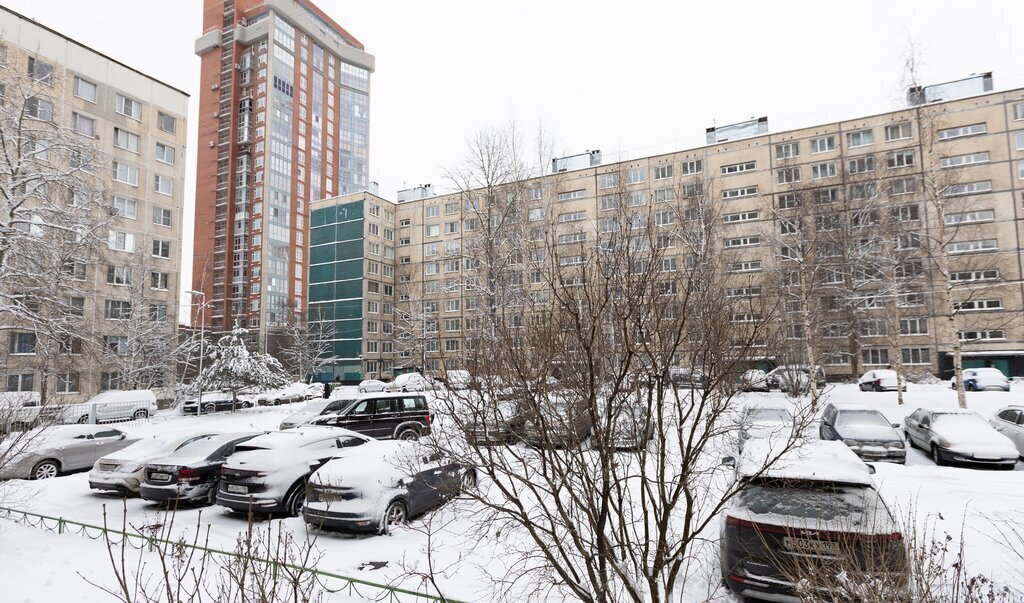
<point x="400" y="416"/>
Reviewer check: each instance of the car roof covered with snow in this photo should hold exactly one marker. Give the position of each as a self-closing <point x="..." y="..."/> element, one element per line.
<point x="859" y="406"/>
<point x="116" y="395"/>
<point x="811" y="460"/>
<point x="372" y="461"/>
<point x="300" y="436"/>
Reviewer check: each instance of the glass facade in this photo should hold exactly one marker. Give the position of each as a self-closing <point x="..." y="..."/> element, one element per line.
<point x="354" y="125"/>
<point x="277" y="249"/>
<point x="336" y="282"/>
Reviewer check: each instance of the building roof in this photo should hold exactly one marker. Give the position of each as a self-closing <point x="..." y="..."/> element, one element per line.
<point x="91" y="49"/>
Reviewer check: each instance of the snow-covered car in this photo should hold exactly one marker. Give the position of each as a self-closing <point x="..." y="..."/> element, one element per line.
<point x="1009" y="421"/>
<point x="816" y="503"/>
<point x="50" y="451"/>
<point x="314" y="390"/>
<point x="215" y="402"/>
<point x="408" y="382"/>
<point x="191" y="473"/>
<point x="372" y="385"/>
<point x="789" y="378"/>
<point x="19" y="411"/>
<point x="493" y="423"/>
<point x="955" y="435"/>
<point x="125" y="470"/>
<point x="458" y="379"/>
<point x="375" y="487"/>
<point x="315" y="409"/>
<point x="979" y="379"/>
<point x="268" y="473"/>
<point x="105" y="407"/>
<point x="556" y="422"/>
<point x="880" y="380"/>
<point x="754" y="380"/>
<point x="289" y="394"/>
<point x="692" y="378"/>
<point x="631" y="426"/>
<point x="865" y="430"/>
<point x="763" y="421"/>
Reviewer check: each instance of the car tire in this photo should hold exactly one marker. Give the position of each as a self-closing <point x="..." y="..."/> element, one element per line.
<point x="83" y="419"/>
<point x="246" y="404"/>
<point x="362" y="390"/>
<point x="140" y="414"/>
<point x="936" y="457"/>
<point x="877" y="387"/>
<point x="277" y="402"/>
<point x="408" y="434"/>
<point x="910" y="440"/>
<point x="295" y="500"/>
<point x="405" y="389"/>
<point x="46" y="469"/>
<point x="395" y="514"/>
<point x="210" y="408"/>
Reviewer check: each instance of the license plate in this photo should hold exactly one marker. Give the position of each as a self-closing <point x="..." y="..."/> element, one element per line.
<point x="160" y="477"/>
<point x="987" y="457"/>
<point x="811" y="547"/>
<point x="236" y="489"/>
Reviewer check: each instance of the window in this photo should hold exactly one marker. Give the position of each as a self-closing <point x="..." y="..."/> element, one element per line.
<point x="751" y="266"/>
<point x="24" y="382"/>
<point x="109" y="381"/>
<point x="875" y="356"/>
<point x="1020" y="141"/>
<point x="635" y="175"/>
<point x="636" y="199"/>
<point x="128" y="107"/>
<point x="432" y="230"/>
<point x="736" y="193"/>
<point x="431" y="249"/>
<point x="962" y="160"/>
<point x="163" y="184"/>
<point x="862" y="164"/>
<point x="973" y="246"/>
<point x="664" y="218"/>
<point x="572" y="195"/>
<point x="39" y="108"/>
<point x="981" y="335"/>
<point x="40" y="71"/>
<point x="22" y="343"/>
<point x="960" y="132"/>
<point x="826" y="222"/>
<point x="68" y="383"/>
<point x="123" y="139"/>
<point x="452" y="325"/>
<point x="900" y="131"/>
<point x="916" y="356"/>
<point x="823" y="170"/>
<point x="432" y="211"/>
<point x="788" y="226"/>
<point x="970" y="217"/>
<point x="823" y="144"/>
<point x="606" y="203"/>
<point x="83" y="125"/>
<point x="906" y="213"/>
<point x="575" y="216"/>
<point x="161" y="249"/>
<point x="164" y="153"/>
<point x="1018" y="111"/>
<point x="664" y="195"/>
<point x="978" y="305"/>
<point x="787" y="175"/>
<point x="967" y="188"/>
<point x="863" y="191"/>
<point x="117" y="310"/>
<point x="608" y="180"/>
<point x="903" y="186"/>
<point x="748" y="241"/>
<point x="535" y="193"/>
<point x="913" y="326"/>
<point x="119" y="275"/>
<point x="974" y="275"/>
<point x="158" y="280"/>
<point x="158" y="312"/>
<point x="898" y="159"/>
<point x="860" y="139"/>
<point x="690" y="167"/>
<point x="125" y="173"/>
<point x="166" y="122"/>
<point x="787" y="150"/>
<point x="84" y="89"/>
<point x="117" y="344"/>
<point x="126" y="208"/>
<point x="574" y="237"/>
<point x="121" y="241"/>
<point x="739" y="168"/>
<point x="662" y="172"/>
<point x="745" y="216"/>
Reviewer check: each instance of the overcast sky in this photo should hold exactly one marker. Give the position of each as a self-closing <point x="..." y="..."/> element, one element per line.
<point x="630" y="78"/>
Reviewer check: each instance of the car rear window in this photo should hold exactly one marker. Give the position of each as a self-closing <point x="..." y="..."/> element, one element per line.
<point x="850" y="506"/>
<point x="414" y="403"/>
<point x="200" y="448"/>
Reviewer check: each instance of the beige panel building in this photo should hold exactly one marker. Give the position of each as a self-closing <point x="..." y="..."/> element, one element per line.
<point x="138" y="126"/>
<point x="772" y="194"/>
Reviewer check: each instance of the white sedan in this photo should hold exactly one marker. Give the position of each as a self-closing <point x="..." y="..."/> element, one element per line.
<point x="372" y="385"/>
<point x="978" y="379"/>
<point x="880" y="380"/>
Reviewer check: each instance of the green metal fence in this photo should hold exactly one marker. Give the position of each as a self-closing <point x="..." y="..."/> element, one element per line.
<point x="354" y="587"/>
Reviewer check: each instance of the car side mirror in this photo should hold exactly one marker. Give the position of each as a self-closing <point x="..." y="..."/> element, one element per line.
<point x="729" y="461"/>
<point x="895" y="425"/>
<point x="123" y="436"/>
<point x="871" y="469"/>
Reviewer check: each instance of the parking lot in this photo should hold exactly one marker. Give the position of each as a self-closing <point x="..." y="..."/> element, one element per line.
<point x="951" y="500"/>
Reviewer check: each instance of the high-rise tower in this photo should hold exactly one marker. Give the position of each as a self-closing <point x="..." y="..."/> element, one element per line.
<point x="283" y="121"/>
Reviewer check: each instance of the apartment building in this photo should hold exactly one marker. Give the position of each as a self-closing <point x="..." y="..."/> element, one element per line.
<point x="284" y="97"/>
<point x="773" y="192"/>
<point x="137" y="125"/>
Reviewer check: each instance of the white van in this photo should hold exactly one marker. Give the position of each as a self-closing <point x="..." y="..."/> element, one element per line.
<point x="105" y="407"/>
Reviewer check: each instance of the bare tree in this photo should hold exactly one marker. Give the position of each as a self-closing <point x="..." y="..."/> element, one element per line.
<point x="304" y="344"/>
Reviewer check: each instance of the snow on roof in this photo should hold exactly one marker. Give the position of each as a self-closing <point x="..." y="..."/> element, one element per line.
<point x="372" y="463"/>
<point x="815" y="460"/>
<point x="300" y="436"/>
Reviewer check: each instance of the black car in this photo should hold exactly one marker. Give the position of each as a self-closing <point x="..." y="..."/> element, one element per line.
<point x="382" y="484"/>
<point x="400" y="416"/>
<point x="808" y="519"/>
<point x="865" y="430"/>
<point x="191" y="473"/>
<point x="215" y="402"/>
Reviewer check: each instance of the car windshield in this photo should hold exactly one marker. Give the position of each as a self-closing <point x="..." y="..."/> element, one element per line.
<point x="315" y="407"/>
<point x="773" y="415"/>
<point x="861" y="417"/>
<point x="853" y="507"/>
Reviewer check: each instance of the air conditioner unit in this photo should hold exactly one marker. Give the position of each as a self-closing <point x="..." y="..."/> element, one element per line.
<point x="212" y="144"/>
<point x="214" y="86"/>
<point x="216" y="113"/>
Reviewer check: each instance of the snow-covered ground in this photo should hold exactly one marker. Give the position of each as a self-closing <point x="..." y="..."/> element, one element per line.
<point x="38" y="565"/>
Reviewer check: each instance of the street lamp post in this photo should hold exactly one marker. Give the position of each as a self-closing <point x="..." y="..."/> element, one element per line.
<point x="202" y="345"/>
